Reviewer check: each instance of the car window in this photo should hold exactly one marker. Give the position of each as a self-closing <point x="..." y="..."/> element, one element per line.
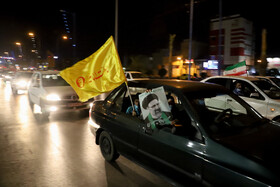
<point x="34" y="77"/>
<point x="245" y="89"/>
<point x="35" y="82"/>
<point x="219" y="81"/>
<point x="276" y="81"/>
<point x="127" y="107"/>
<point x="127" y="75"/>
<point x="222" y="102"/>
<point x="223" y="114"/>
<point x="50" y="80"/>
<point x="182" y="123"/>
<point x="137" y="75"/>
<point x="113" y="96"/>
<point x="269" y="89"/>
<point x="23" y="75"/>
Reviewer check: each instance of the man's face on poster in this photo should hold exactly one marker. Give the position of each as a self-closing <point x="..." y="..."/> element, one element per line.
<point x="154" y="109"/>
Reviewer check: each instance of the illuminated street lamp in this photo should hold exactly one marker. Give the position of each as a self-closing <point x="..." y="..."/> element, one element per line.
<point x="64" y="37"/>
<point x="20" y="49"/>
<point x="31" y="34"/>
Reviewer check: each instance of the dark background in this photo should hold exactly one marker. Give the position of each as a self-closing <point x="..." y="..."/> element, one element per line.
<point x="144" y="26"/>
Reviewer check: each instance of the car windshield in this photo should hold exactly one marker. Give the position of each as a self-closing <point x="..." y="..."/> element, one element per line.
<point x="269" y="89"/>
<point x="276" y="81"/>
<point x="24" y="75"/>
<point x="223" y="114"/>
<point x="49" y="80"/>
<point x="137" y="75"/>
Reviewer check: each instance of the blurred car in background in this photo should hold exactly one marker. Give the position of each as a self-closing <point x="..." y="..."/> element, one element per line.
<point x="219" y="141"/>
<point x="273" y="80"/>
<point x="49" y="92"/>
<point x="134" y="75"/>
<point x="20" y="81"/>
<point x="7" y="76"/>
<point x="260" y="94"/>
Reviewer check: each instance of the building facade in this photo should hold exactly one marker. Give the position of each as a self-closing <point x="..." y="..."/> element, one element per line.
<point x="237" y="40"/>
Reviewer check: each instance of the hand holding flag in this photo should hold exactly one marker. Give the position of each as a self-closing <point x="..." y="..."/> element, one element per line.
<point x="101" y="72"/>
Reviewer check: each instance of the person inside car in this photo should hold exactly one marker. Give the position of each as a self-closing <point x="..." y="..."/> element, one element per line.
<point x="174" y="110"/>
<point x="135" y="112"/>
<point x="238" y="89"/>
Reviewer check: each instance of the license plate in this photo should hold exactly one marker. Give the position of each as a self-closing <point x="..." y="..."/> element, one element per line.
<point x="74" y="104"/>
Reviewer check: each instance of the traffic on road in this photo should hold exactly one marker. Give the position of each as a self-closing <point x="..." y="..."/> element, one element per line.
<point x="192" y="133"/>
<point x="57" y="151"/>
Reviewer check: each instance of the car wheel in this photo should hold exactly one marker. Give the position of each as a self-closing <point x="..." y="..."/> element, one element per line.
<point x="14" y="91"/>
<point x="45" y="114"/>
<point x="107" y="147"/>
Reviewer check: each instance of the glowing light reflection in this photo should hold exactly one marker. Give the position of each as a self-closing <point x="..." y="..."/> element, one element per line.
<point x="22" y="111"/>
<point x="54" y="135"/>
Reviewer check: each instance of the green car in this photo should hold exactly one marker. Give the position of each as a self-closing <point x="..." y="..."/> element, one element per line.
<point x="215" y="138"/>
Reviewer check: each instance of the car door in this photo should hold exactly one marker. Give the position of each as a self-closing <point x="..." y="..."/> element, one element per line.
<point x="123" y="127"/>
<point x="175" y="154"/>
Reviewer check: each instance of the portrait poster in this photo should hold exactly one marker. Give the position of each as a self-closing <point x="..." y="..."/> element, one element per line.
<point x="155" y="109"/>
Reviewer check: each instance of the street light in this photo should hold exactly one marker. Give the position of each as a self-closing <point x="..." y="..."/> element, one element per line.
<point x="19" y="48"/>
<point x="31" y="34"/>
<point x="64" y="37"/>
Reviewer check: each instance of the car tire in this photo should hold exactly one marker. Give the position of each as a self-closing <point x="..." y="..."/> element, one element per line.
<point x="107" y="147"/>
<point x="45" y="114"/>
<point x="14" y="91"/>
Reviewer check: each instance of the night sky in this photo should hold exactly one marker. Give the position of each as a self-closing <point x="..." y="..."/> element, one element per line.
<point x="144" y="26"/>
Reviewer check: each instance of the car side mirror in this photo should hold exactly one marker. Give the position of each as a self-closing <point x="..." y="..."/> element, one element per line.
<point x="255" y="95"/>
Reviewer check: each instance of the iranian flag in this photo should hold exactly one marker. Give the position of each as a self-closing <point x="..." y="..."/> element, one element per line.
<point x="237" y="69"/>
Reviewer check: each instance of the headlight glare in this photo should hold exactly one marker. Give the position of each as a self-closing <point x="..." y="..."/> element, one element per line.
<point x="53" y="97"/>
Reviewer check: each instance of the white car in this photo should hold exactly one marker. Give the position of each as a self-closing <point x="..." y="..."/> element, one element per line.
<point x="273" y="80"/>
<point x="134" y="75"/>
<point x="19" y="83"/>
<point x="260" y="94"/>
<point x="49" y="92"/>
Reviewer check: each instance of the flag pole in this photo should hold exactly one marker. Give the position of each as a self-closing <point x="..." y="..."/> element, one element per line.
<point x="129" y="94"/>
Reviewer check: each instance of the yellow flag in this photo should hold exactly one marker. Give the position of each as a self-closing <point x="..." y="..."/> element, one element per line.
<point x="101" y="72"/>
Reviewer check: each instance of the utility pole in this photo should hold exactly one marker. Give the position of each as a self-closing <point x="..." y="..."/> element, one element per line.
<point x="263" y="63"/>
<point x="220" y="39"/>
<point x="190" y="39"/>
<point x="171" y="40"/>
<point x="116" y="22"/>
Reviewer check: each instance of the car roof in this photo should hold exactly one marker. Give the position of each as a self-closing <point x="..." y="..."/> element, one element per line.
<point x="132" y="72"/>
<point x="249" y="78"/>
<point x="48" y="72"/>
<point x="24" y="71"/>
<point x="264" y="77"/>
<point x="184" y="85"/>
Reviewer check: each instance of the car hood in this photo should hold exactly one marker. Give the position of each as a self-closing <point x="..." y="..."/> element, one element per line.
<point x="260" y="143"/>
<point x="60" y="90"/>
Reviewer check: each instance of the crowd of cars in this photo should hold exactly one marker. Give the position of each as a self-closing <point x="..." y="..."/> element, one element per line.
<point x="227" y="130"/>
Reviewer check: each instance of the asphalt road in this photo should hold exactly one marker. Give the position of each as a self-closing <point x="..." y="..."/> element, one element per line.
<point x="58" y="152"/>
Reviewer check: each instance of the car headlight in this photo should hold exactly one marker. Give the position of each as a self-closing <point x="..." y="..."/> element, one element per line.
<point x="53" y="97"/>
<point x="22" y="83"/>
<point x="8" y="77"/>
